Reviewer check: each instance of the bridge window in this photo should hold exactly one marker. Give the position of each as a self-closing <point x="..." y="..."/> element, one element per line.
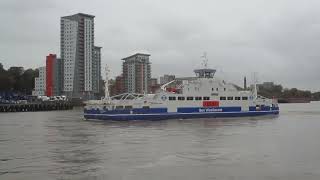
<point x="230" y="98"/>
<point x="198" y="98"/>
<point x="237" y="98"/>
<point x="181" y="98"/>
<point x="189" y="98"/>
<point x="245" y="98"/>
<point x="223" y="98"/>
<point x="172" y="98"/>
<point x="206" y="98"/>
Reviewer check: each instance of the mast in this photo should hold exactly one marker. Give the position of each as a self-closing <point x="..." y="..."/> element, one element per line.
<point x="255" y="80"/>
<point x="106" y="91"/>
<point x="205" y="60"/>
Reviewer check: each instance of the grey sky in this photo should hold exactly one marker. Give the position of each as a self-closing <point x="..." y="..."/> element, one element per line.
<point x="279" y="39"/>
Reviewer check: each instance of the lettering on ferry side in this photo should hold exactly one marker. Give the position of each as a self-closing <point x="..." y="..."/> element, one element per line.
<point x="209" y="110"/>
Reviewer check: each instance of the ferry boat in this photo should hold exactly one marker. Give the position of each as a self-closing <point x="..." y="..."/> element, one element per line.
<point x="202" y="96"/>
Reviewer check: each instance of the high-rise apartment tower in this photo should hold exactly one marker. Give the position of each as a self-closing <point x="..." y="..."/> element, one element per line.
<point x="78" y="53"/>
<point x="136" y="73"/>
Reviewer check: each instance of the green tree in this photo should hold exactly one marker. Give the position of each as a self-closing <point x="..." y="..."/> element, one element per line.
<point x="17" y="79"/>
<point x="27" y="81"/>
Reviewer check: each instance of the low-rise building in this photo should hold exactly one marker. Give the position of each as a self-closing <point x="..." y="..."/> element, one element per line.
<point x="40" y="83"/>
<point x="154" y="85"/>
<point x="117" y="86"/>
<point x="153" y="81"/>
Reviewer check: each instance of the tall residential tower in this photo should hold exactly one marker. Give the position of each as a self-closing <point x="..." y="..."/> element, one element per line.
<point x="136" y="73"/>
<point x="81" y="65"/>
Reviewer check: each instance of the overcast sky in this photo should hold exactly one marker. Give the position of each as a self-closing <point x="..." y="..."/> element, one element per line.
<point x="279" y="39"/>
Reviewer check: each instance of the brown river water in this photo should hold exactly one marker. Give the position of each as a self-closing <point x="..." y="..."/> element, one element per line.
<point x="61" y="145"/>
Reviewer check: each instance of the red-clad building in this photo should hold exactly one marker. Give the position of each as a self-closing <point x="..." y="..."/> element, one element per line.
<point x="49" y="74"/>
<point x="53" y="75"/>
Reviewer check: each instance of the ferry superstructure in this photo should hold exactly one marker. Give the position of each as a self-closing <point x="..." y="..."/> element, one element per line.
<point x="202" y="96"/>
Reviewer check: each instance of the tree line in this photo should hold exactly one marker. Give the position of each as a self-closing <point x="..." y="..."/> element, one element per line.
<point x="17" y="79"/>
<point x="279" y="92"/>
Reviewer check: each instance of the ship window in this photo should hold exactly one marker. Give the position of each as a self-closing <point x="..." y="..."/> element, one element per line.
<point x="189" y="98"/>
<point x="212" y="89"/>
<point x="237" y="98"/>
<point x="230" y="98"/>
<point x="206" y="98"/>
<point x="217" y="89"/>
<point x="224" y="89"/>
<point x="244" y="98"/>
<point x="145" y="107"/>
<point x="223" y="98"/>
<point x="198" y="98"/>
<point x="172" y="98"/>
<point x="181" y="98"/>
<point x="128" y="107"/>
<point x="119" y="107"/>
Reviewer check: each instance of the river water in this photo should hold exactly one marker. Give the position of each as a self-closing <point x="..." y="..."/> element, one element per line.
<point x="61" y="145"/>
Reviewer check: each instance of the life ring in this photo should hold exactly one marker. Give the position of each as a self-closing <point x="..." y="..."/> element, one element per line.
<point x="164" y="97"/>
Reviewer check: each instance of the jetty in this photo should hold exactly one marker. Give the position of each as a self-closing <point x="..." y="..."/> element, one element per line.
<point x="36" y="106"/>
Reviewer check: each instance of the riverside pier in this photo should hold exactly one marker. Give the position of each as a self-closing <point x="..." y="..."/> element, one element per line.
<point x="36" y="106"/>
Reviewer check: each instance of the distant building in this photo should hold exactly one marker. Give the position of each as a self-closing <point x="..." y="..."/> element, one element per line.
<point x="154" y="85"/>
<point x="153" y="81"/>
<point x="136" y="73"/>
<point x="265" y="85"/>
<point x="40" y="83"/>
<point x="53" y="75"/>
<point x="117" y="86"/>
<point x="96" y="70"/>
<point x="166" y="78"/>
<point x="79" y="55"/>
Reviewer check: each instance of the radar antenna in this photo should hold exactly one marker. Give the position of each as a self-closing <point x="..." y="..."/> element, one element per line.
<point x="205" y="60"/>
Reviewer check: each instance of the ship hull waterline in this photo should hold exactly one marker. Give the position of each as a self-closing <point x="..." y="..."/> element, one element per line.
<point x="165" y="116"/>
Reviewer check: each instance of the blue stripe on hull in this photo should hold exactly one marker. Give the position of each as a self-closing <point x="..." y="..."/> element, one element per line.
<point x="163" y="116"/>
<point x="196" y="109"/>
